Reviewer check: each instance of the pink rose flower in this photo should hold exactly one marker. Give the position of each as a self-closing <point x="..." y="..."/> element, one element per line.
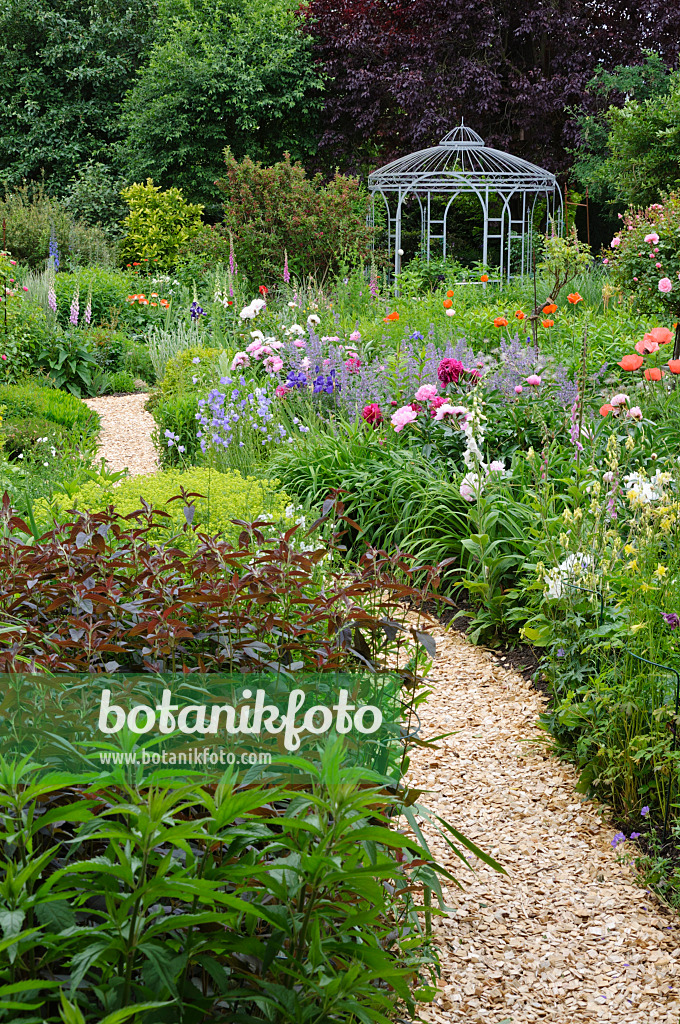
<point x="665" y="285"/>
<point x="616" y="241"/>
<point x="652" y="238"/>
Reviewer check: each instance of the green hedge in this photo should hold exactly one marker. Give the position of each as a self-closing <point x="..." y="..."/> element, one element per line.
<point x="32" y="400"/>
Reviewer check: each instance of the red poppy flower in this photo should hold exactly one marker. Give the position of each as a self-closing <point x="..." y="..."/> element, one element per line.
<point x="484" y="278"/>
<point x="654" y="373"/>
<point x="660" y="335"/>
<point x="606" y="409"/>
<point x="550" y="308"/>
<point x="449" y="294"/>
<point x="500" y="321"/>
<point x="391" y="317"/>
<point x="263" y="289"/>
<point x="447" y="303"/>
<point x="548" y="323"/>
<point x="674" y="365"/>
<point x="519" y="315"/>
<point x="631" y="362"/>
<point x="574" y="297"/>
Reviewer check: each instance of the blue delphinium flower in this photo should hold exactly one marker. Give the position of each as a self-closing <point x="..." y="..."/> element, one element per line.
<point x="54" y="250"/>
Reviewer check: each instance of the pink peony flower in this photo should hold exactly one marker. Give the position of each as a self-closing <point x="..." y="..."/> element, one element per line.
<point x="402" y="417"/>
<point x="450" y="371"/>
<point x="518" y="389"/>
<point x="426" y="392"/>
<point x="299" y="343"/>
<point x="25" y="287"/>
<point x="372" y="414"/>
<point x="534" y="380"/>
<point x="254" y="346"/>
<point x="281" y="391"/>
<point x="665" y="285"/>
<point x="497" y="467"/>
<point x="457" y="411"/>
<point x="240" y="359"/>
<point x="618" y="400"/>
<point x="353" y="365"/>
<point x="273" y="364"/>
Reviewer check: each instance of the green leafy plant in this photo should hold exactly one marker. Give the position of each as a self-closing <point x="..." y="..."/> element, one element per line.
<point x="69" y="362"/>
<point x="277" y="209"/>
<point x="218" y="498"/>
<point x="158" y="223"/>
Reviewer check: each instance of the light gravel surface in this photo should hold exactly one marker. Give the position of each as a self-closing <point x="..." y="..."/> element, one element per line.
<point x="567" y="937"/>
<point x="125" y="437"/>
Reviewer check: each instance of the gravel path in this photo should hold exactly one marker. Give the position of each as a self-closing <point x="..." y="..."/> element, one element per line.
<point x="567" y="937"/>
<point x="125" y="437"/>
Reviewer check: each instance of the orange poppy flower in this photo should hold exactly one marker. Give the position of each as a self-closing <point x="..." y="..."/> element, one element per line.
<point x="500" y="321"/>
<point x="674" y="365"/>
<point x="154" y="295"/>
<point x="447" y="303"/>
<point x="574" y="297"/>
<point x="143" y="302"/>
<point x="484" y="278"/>
<point x="153" y="303"/>
<point x="660" y="335"/>
<point x="646" y="346"/>
<point x="136" y="264"/>
<point x="449" y="294"/>
<point x="548" y="323"/>
<point x="165" y="303"/>
<point x="131" y="298"/>
<point x="606" y="409"/>
<point x="654" y="373"/>
<point x="390" y="317"/>
<point x="519" y="315"/>
<point x="550" y="308"/>
<point x="631" y="362"/>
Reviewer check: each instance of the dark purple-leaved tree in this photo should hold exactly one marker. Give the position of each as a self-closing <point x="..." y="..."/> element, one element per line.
<point x="403" y="72"/>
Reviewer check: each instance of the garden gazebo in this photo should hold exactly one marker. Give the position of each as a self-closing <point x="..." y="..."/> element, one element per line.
<point x="507" y="187"/>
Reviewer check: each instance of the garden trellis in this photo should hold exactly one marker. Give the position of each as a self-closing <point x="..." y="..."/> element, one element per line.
<point x="461" y="164"/>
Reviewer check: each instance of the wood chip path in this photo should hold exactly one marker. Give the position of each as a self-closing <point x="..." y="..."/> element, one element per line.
<point x="567" y="937"/>
<point x="125" y="437"/>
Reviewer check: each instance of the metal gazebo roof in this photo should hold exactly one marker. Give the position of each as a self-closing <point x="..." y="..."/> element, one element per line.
<point x="462" y="163"/>
<point x="461" y="152"/>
